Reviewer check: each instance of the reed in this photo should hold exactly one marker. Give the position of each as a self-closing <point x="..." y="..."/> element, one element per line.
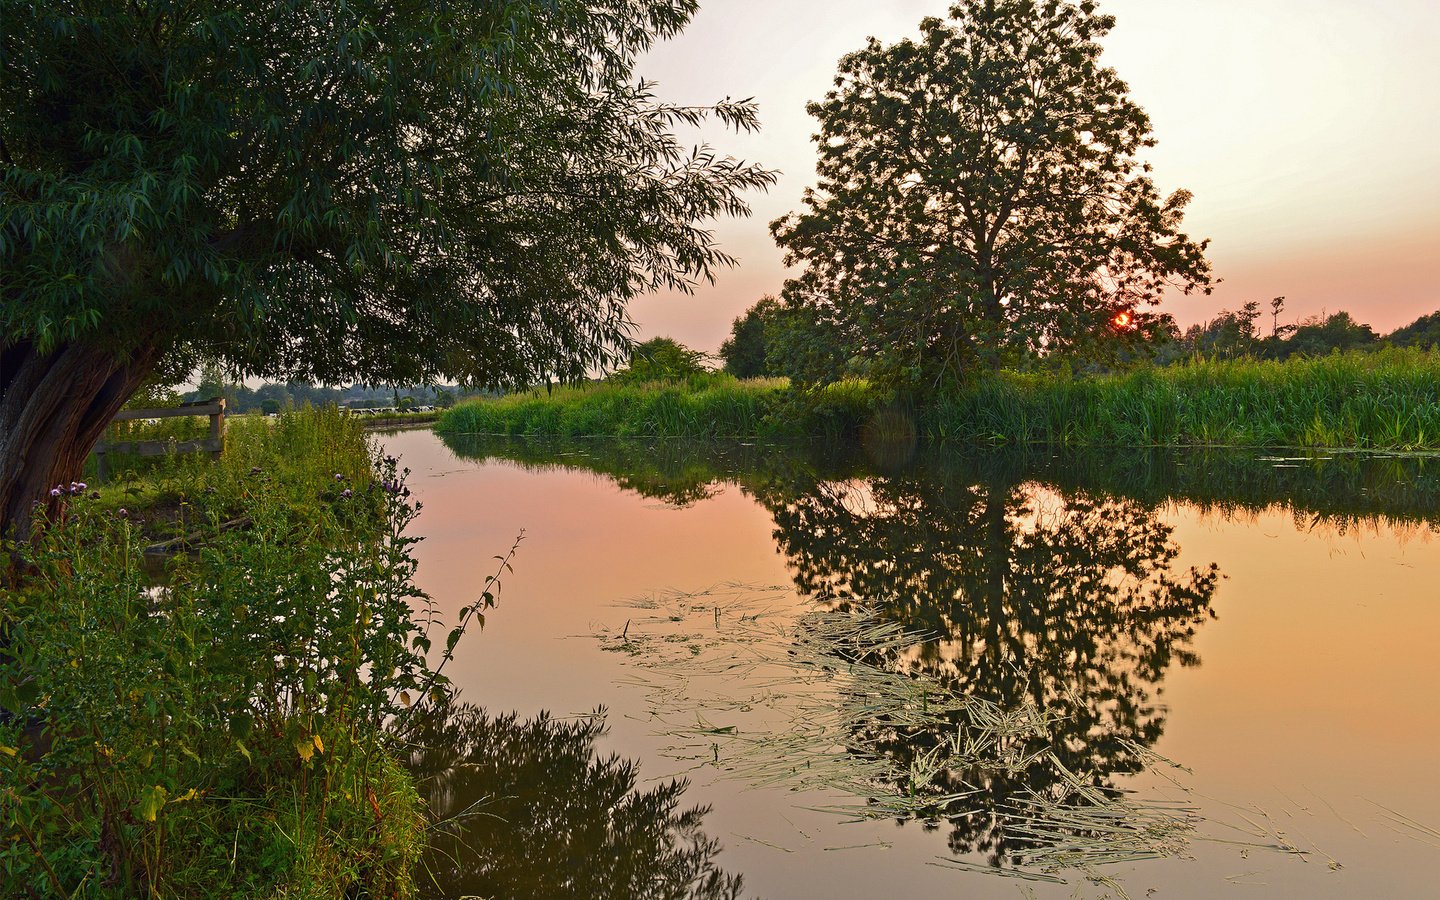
<point x="709" y="406"/>
<point x="1388" y="400"/>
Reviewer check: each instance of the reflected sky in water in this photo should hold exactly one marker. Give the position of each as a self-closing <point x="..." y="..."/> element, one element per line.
<point x="1293" y="681"/>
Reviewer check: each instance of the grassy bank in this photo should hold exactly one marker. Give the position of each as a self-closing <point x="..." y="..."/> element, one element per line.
<point x="224" y="728"/>
<point x="1378" y="401"/>
<point x="703" y="407"/>
<point x="1382" y="401"/>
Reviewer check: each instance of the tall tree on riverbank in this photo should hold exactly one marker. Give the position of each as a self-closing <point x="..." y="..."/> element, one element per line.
<point x="306" y="190"/>
<point x="981" y="197"/>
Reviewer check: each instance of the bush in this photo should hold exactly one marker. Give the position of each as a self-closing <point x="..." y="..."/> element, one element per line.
<point x="224" y="726"/>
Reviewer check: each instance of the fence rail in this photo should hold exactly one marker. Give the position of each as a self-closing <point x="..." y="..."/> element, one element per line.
<point x="214" y="444"/>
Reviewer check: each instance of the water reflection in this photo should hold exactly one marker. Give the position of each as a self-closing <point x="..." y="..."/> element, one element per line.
<point x="529" y="809"/>
<point x="1048" y="580"/>
<point x="1070" y="603"/>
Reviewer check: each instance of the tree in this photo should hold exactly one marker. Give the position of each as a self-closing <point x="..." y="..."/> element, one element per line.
<point x="981" y="196"/>
<point x="305" y="190"/>
<point x="1336" y="332"/>
<point x="1230" y="335"/>
<point x="662" y="359"/>
<point x="744" y="351"/>
<point x="1424" y="332"/>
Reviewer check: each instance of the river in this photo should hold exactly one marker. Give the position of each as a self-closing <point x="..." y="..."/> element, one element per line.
<point x="908" y="671"/>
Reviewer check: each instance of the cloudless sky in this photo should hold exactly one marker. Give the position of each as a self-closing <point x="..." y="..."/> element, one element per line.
<point x="1308" y="131"/>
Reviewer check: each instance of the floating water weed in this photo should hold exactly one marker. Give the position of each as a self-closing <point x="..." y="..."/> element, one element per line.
<point x="748" y="687"/>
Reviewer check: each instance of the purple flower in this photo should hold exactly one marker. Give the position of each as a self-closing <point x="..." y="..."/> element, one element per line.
<point x="123" y="513"/>
<point x="94" y="495"/>
<point x="347" y="493"/>
<point x="254" y="470"/>
<point x="55" y="492"/>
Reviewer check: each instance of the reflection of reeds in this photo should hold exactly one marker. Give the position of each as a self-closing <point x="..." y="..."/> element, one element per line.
<point x="770" y="697"/>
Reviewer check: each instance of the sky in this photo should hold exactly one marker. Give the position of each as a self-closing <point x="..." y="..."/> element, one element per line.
<point x="1307" y="130"/>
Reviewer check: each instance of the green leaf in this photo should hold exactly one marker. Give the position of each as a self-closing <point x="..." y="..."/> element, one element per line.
<point x="151" y="799"/>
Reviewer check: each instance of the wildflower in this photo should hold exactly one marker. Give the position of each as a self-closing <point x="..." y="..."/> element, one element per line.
<point x="346" y="494"/>
<point x="94" y="495"/>
<point x="339" y="477"/>
<point x="55" y="492"/>
<point x="254" y="470"/>
<point x="123" y="513"/>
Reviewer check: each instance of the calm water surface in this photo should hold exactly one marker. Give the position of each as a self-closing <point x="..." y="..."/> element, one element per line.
<point x="1175" y="676"/>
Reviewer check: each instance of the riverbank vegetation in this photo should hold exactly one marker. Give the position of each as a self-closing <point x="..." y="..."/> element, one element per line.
<point x="1387" y="400"/>
<point x="226" y="718"/>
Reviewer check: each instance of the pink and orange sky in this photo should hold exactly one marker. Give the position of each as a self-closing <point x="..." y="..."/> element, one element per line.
<point x="1308" y="131"/>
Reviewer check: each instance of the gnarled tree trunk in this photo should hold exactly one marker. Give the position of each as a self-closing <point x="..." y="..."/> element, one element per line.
<point x="53" y="408"/>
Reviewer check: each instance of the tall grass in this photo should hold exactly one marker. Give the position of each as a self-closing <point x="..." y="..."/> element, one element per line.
<point x="222" y="733"/>
<point x="708" y="406"/>
<point x="1389" y="400"/>
<point x="1381" y="401"/>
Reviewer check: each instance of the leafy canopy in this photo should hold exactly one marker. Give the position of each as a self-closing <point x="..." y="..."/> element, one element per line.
<point x="744" y="351"/>
<point x="981" y="196"/>
<point x="662" y="359"/>
<point x="330" y="191"/>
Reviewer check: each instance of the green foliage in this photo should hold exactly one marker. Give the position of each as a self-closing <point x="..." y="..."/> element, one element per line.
<point x="1383" y="400"/>
<point x="474" y="189"/>
<point x="811" y="345"/>
<point x="745" y="350"/>
<point x="981" y="198"/>
<point x="713" y="405"/>
<point x="1424" y="332"/>
<point x="661" y="359"/>
<point x="1334" y="333"/>
<point x="221" y="730"/>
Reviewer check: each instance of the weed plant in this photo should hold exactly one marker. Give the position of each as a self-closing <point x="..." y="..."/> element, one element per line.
<point x="223" y="732"/>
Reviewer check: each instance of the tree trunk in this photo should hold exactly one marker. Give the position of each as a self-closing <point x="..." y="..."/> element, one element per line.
<point x="53" y="408"/>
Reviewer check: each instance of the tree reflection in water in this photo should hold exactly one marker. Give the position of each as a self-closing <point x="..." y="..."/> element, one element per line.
<point x="1070" y="603"/>
<point x="528" y="809"/>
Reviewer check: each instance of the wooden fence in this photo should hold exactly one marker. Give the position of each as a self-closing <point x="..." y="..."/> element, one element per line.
<point x="214" y="444"/>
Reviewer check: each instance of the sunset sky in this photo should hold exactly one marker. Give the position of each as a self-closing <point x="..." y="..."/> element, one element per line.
<point x="1308" y="131"/>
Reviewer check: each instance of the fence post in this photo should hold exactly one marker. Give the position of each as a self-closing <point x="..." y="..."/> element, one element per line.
<point x="217" y="429"/>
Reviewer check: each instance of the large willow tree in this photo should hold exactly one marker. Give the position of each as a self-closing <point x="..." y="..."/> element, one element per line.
<point x="981" y="197"/>
<point x="305" y="189"/>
